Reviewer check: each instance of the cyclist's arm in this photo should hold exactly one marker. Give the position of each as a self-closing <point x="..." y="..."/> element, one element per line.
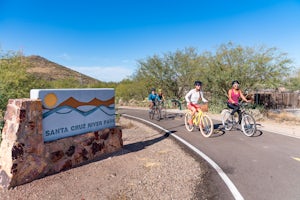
<point x="202" y="97"/>
<point x="243" y="97"/>
<point x="158" y="98"/>
<point x="150" y="97"/>
<point x="187" y="97"/>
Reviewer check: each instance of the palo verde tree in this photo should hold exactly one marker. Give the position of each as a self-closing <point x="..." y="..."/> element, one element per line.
<point x="254" y="67"/>
<point x="173" y="72"/>
<point x="293" y="81"/>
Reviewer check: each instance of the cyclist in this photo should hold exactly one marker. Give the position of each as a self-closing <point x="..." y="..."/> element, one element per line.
<point x="234" y="95"/>
<point x="160" y="95"/>
<point x="193" y="97"/>
<point x="152" y="97"/>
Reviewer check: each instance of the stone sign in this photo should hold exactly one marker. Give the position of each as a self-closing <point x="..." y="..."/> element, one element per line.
<point x="69" y="112"/>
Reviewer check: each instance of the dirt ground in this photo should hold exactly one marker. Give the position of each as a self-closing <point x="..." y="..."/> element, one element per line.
<point x="150" y="166"/>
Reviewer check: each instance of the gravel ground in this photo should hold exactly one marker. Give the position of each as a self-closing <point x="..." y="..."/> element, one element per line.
<point x="150" y="166"/>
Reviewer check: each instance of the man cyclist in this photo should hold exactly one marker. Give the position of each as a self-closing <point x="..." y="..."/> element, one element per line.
<point x="151" y="98"/>
<point x="234" y="95"/>
<point x="193" y="97"/>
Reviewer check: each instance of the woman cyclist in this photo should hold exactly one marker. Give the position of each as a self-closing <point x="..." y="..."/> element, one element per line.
<point x="192" y="98"/>
<point x="234" y="95"/>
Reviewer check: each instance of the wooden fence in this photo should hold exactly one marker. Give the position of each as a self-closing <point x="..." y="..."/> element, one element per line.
<point x="277" y="100"/>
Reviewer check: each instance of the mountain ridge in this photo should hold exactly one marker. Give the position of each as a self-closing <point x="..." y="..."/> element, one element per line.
<point x="51" y="71"/>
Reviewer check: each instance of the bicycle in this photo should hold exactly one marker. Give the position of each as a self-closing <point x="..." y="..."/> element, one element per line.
<point x="200" y="119"/>
<point x="155" y="112"/>
<point x="248" y="124"/>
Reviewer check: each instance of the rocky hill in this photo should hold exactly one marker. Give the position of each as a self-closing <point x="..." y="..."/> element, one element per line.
<point x="50" y="71"/>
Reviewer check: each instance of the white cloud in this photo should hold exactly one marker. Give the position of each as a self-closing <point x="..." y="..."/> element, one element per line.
<point x="105" y="74"/>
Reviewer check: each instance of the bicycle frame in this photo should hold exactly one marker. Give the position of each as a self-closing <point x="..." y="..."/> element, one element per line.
<point x="248" y="124"/>
<point x="201" y="120"/>
<point x="198" y="117"/>
<point x="156" y="111"/>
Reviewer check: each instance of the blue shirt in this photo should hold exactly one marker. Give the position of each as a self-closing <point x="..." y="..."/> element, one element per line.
<point x="152" y="97"/>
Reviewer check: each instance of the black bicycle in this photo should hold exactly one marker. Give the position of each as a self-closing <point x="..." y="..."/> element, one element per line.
<point x="248" y="124"/>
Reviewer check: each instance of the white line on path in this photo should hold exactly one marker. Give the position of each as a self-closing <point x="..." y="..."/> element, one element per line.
<point x="221" y="173"/>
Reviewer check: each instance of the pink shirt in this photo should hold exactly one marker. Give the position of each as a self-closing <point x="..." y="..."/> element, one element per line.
<point x="235" y="97"/>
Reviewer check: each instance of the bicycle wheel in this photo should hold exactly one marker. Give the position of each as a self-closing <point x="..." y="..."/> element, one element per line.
<point x="151" y="113"/>
<point x="188" y="117"/>
<point x="206" y="126"/>
<point x="164" y="111"/>
<point x="227" y="120"/>
<point x="248" y="125"/>
<point x="157" y="114"/>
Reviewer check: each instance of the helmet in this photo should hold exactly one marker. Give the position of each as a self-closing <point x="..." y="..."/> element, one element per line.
<point x="153" y="89"/>
<point x="159" y="90"/>
<point x="234" y="82"/>
<point x="198" y="83"/>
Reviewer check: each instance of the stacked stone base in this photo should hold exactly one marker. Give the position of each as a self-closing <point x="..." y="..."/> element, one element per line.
<point x="25" y="157"/>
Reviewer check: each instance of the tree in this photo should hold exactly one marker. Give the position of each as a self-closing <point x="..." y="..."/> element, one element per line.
<point x="14" y="81"/>
<point x="255" y="68"/>
<point x="293" y="82"/>
<point x="173" y="73"/>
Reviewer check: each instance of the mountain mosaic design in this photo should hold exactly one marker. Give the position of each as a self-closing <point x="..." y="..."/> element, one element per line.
<point x="72" y="104"/>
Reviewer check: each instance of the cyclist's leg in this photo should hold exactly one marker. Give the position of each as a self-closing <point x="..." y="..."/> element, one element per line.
<point x="198" y="109"/>
<point x="151" y="104"/>
<point x="240" y="115"/>
<point x="192" y="108"/>
<point x="234" y="108"/>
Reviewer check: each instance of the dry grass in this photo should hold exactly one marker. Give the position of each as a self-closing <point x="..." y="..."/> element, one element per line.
<point x="125" y="125"/>
<point x="283" y="117"/>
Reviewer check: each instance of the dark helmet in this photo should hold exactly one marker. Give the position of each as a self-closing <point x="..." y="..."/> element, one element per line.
<point x="234" y="82"/>
<point x="198" y="83"/>
<point x="153" y="89"/>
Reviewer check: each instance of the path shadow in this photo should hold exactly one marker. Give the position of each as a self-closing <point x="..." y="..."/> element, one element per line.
<point x="134" y="147"/>
<point x="173" y="116"/>
<point x="218" y="130"/>
<point x="258" y="131"/>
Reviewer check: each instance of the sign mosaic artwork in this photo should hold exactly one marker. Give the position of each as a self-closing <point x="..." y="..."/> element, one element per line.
<point x="69" y="112"/>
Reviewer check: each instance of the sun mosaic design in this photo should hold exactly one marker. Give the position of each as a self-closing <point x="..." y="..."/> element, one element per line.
<point x="71" y="104"/>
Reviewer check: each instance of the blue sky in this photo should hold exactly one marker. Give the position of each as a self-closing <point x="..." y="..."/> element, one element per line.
<point x="105" y="39"/>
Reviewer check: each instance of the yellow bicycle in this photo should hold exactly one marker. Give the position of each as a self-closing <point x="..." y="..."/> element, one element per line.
<point x="201" y="120"/>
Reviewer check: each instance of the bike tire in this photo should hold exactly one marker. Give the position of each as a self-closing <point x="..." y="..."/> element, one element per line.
<point x="206" y="126"/>
<point x="151" y="114"/>
<point x="164" y="113"/>
<point x="227" y="120"/>
<point x="187" y="117"/>
<point x="158" y="114"/>
<point x="248" y="125"/>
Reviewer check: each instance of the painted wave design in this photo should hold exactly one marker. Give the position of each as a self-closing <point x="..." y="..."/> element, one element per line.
<point x="69" y="109"/>
<point x="72" y="102"/>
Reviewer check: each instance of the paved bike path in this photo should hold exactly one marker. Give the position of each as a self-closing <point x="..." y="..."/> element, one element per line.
<point x="261" y="167"/>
